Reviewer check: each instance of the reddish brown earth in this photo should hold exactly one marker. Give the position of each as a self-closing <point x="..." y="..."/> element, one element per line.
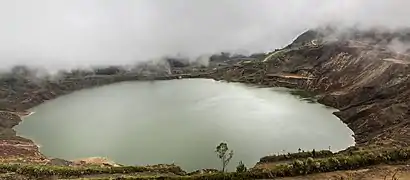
<point x="382" y="172"/>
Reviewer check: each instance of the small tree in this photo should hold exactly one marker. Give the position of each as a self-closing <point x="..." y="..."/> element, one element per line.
<point x="241" y="167"/>
<point x="221" y="151"/>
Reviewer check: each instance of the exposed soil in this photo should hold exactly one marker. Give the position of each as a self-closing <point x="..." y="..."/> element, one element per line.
<point x="356" y="74"/>
<point x="382" y="172"/>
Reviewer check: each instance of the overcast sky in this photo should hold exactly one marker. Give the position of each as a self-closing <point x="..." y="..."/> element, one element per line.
<point x="68" y="33"/>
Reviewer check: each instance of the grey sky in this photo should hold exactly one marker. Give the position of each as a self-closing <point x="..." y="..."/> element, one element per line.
<point x="69" y="33"/>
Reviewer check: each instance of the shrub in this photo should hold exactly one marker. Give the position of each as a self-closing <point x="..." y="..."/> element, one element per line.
<point x="298" y="155"/>
<point x="297" y="167"/>
<point x="311" y="165"/>
<point x="241" y="167"/>
<point x="67" y="171"/>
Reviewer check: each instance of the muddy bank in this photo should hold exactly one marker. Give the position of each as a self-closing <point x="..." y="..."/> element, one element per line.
<point x="370" y="89"/>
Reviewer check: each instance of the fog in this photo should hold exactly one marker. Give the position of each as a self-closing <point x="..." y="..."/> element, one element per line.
<point x="58" y="34"/>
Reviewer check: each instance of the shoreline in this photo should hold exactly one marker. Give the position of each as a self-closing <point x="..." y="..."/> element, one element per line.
<point x="292" y="84"/>
<point x="20" y="114"/>
<point x="337" y="149"/>
<point x="27" y="114"/>
<point x="209" y="76"/>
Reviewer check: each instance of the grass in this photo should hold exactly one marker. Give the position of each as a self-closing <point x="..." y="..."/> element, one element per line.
<point x="68" y="171"/>
<point x="299" y="155"/>
<point x="295" y="168"/>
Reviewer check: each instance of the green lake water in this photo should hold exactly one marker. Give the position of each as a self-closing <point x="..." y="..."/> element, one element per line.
<point x="181" y="122"/>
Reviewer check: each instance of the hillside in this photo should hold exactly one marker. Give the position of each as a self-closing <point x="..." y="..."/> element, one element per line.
<point x="359" y="75"/>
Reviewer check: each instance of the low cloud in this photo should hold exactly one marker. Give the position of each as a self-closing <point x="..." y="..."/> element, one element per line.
<point x="61" y="34"/>
<point x="399" y="46"/>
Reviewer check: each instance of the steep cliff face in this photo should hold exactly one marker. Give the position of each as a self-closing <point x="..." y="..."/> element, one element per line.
<point x="357" y="73"/>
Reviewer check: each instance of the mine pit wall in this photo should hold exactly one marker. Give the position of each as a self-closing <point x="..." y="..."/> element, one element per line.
<point x="372" y="95"/>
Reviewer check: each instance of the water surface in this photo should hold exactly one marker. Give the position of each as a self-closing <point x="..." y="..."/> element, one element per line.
<point x="181" y="122"/>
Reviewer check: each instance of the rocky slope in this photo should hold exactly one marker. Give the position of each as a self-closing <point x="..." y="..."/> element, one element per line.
<point x="358" y="72"/>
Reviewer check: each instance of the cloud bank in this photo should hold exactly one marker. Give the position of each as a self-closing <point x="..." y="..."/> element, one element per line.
<point x="59" y="34"/>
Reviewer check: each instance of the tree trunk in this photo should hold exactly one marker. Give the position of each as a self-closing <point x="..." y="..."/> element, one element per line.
<point x="223" y="164"/>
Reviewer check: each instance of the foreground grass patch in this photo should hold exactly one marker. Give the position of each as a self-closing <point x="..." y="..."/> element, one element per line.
<point x="297" y="167"/>
<point x="68" y="171"/>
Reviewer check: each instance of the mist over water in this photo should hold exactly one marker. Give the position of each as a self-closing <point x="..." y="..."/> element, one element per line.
<point x="181" y="122"/>
<point x="64" y="34"/>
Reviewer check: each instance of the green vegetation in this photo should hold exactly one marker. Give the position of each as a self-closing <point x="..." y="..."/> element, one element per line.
<point x="334" y="163"/>
<point x="222" y="153"/>
<point x="311" y="165"/>
<point x="68" y="171"/>
<point x="298" y="155"/>
<point x="241" y="168"/>
<point x="299" y="164"/>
